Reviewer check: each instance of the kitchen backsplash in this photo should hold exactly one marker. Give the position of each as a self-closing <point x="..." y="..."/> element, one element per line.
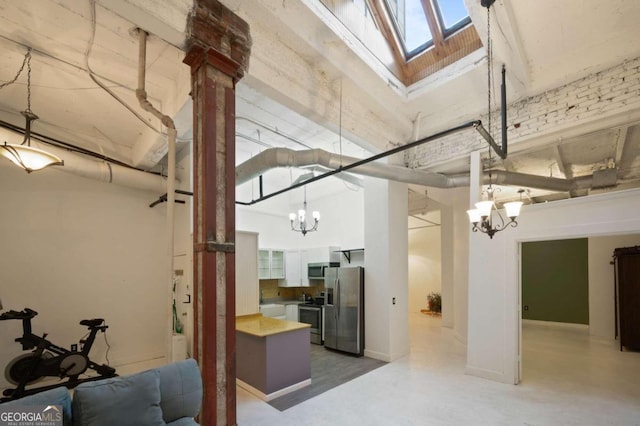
<point x="269" y="290"/>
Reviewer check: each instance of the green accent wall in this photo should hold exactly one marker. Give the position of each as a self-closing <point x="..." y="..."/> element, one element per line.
<point x="555" y="281"/>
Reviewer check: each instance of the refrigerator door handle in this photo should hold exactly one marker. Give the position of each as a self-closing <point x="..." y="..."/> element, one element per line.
<point x="338" y="302"/>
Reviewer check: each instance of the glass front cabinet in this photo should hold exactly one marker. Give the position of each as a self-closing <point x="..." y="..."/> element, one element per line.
<point x="271" y="264"/>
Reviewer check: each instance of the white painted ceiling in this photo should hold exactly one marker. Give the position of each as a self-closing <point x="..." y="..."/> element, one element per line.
<point x="547" y="44"/>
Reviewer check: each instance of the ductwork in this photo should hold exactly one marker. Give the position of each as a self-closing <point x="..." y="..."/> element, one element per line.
<point x="107" y="172"/>
<point x="284" y="157"/>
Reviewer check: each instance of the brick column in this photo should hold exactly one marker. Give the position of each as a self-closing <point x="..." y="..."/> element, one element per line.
<point x="218" y="54"/>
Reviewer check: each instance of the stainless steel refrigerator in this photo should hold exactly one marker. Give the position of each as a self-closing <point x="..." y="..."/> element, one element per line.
<point x="344" y="309"/>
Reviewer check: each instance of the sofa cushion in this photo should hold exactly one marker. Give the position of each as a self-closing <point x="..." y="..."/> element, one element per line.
<point x="180" y="390"/>
<point x="183" y="421"/>
<point x="131" y="400"/>
<point x="55" y="396"/>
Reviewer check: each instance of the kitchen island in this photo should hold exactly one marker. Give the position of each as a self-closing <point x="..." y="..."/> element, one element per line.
<point x="272" y="356"/>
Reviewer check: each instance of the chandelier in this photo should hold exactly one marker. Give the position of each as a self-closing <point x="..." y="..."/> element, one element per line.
<point x="302" y="218"/>
<point x="24" y="155"/>
<point x="482" y="216"/>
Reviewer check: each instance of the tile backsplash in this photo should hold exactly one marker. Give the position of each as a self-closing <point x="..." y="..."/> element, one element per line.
<point x="269" y="290"/>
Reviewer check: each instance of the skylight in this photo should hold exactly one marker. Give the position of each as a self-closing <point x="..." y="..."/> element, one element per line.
<point x="412" y="38"/>
<point x="411" y="24"/>
<point x="417" y="23"/>
<point x="453" y="13"/>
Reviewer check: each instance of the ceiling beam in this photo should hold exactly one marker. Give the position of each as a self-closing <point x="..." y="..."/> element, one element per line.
<point x="621" y="140"/>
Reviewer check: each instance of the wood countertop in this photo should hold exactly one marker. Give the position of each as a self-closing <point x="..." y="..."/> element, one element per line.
<point x="260" y="326"/>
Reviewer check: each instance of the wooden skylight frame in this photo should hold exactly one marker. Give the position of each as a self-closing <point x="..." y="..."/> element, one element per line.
<point x="446" y="47"/>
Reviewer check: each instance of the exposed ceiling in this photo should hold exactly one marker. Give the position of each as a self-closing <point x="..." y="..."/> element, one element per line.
<point x="546" y="44"/>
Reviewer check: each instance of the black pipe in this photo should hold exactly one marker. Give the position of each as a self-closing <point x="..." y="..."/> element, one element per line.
<point x="395" y="150"/>
<point x="71" y="147"/>
<point x="503" y="111"/>
<point x="260" y="183"/>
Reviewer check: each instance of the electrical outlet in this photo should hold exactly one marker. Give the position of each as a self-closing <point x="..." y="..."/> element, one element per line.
<point x="526" y="307"/>
<point x="74" y="348"/>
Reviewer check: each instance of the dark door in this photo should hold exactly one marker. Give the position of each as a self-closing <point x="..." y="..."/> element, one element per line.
<point x="628" y="270"/>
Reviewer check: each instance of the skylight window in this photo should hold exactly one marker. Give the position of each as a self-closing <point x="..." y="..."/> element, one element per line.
<point x="411" y="24"/>
<point x="422" y="36"/>
<point x="417" y="23"/>
<point x="453" y="14"/>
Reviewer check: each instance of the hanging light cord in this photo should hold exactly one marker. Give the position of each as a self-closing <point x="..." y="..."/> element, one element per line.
<point x="28" y="110"/>
<point x="27" y="57"/>
<point x="489" y="79"/>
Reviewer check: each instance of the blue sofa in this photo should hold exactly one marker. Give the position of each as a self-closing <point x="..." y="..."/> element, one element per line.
<point x="171" y="394"/>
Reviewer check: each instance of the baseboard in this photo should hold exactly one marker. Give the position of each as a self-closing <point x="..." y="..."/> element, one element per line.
<point x="136" y="359"/>
<point x="556" y="324"/>
<point x="268" y="397"/>
<point x="496" y="376"/>
<point x="459" y="337"/>
<point x="377" y="355"/>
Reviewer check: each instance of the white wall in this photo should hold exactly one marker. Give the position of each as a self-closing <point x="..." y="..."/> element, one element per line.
<point x="341" y="222"/>
<point x="386" y="270"/>
<point x="601" y="282"/>
<point x="75" y="249"/>
<point x="494" y="279"/>
<point x="424" y="266"/>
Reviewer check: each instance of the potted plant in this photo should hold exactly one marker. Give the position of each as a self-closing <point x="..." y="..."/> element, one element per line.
<point x="434" y="301"/>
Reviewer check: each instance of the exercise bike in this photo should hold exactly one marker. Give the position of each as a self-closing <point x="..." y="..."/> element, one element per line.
<point x="49" y="360"/>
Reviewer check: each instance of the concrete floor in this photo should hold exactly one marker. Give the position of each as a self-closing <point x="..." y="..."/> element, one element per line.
<point x="568" y="379"/>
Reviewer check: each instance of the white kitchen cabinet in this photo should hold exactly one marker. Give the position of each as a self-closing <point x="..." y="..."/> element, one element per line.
<point x="296" y="269"/>
<point x="278" y="265"/>
<point x="330" y="254"/>
<point x="247" y="287"/>
<point x="292" y="312"/>
<point x="271" y="264"/>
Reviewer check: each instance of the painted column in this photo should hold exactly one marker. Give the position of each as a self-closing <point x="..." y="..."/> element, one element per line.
<point x="386" y="269"/>
<point x="218" y="54"/>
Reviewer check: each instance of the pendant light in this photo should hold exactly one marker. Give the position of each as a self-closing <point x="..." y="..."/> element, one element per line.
<point x="481" y="217"/>
<point x="24" y="155"/>
<point x="302" y="218"/>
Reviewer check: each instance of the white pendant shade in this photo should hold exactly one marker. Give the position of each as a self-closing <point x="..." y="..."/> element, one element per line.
<point x="513" y="208"/>
<point x="29" y="158"/>
<point x="474" y="215"/>
<point x="316" y="215"/>
<point x="484" y="208"/>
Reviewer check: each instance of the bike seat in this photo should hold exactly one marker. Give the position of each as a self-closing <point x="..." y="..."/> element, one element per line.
<point x="96" y="322"/>
<point x="26" y="313"/>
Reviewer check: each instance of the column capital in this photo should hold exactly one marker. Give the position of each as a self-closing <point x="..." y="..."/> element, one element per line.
<point x="219" y="37"/>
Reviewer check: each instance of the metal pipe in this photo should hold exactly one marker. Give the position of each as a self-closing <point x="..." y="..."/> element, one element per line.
<point x="141" y="95"/>
<point x="503" y="113"/>
<point x="359" y="163"/>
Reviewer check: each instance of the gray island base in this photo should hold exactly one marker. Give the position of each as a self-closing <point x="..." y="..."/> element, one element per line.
<point x="273" y="357"/>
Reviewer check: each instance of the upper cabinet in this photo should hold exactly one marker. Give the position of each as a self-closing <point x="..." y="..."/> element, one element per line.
<point x="296" y="271"/>
<point x="271" y="264"/>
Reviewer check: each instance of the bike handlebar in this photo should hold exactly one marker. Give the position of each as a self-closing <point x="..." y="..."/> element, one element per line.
<point x="26" y="313"/>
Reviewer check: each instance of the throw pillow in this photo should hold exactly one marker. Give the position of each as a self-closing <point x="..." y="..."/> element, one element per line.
<point x="131" y="400"/>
